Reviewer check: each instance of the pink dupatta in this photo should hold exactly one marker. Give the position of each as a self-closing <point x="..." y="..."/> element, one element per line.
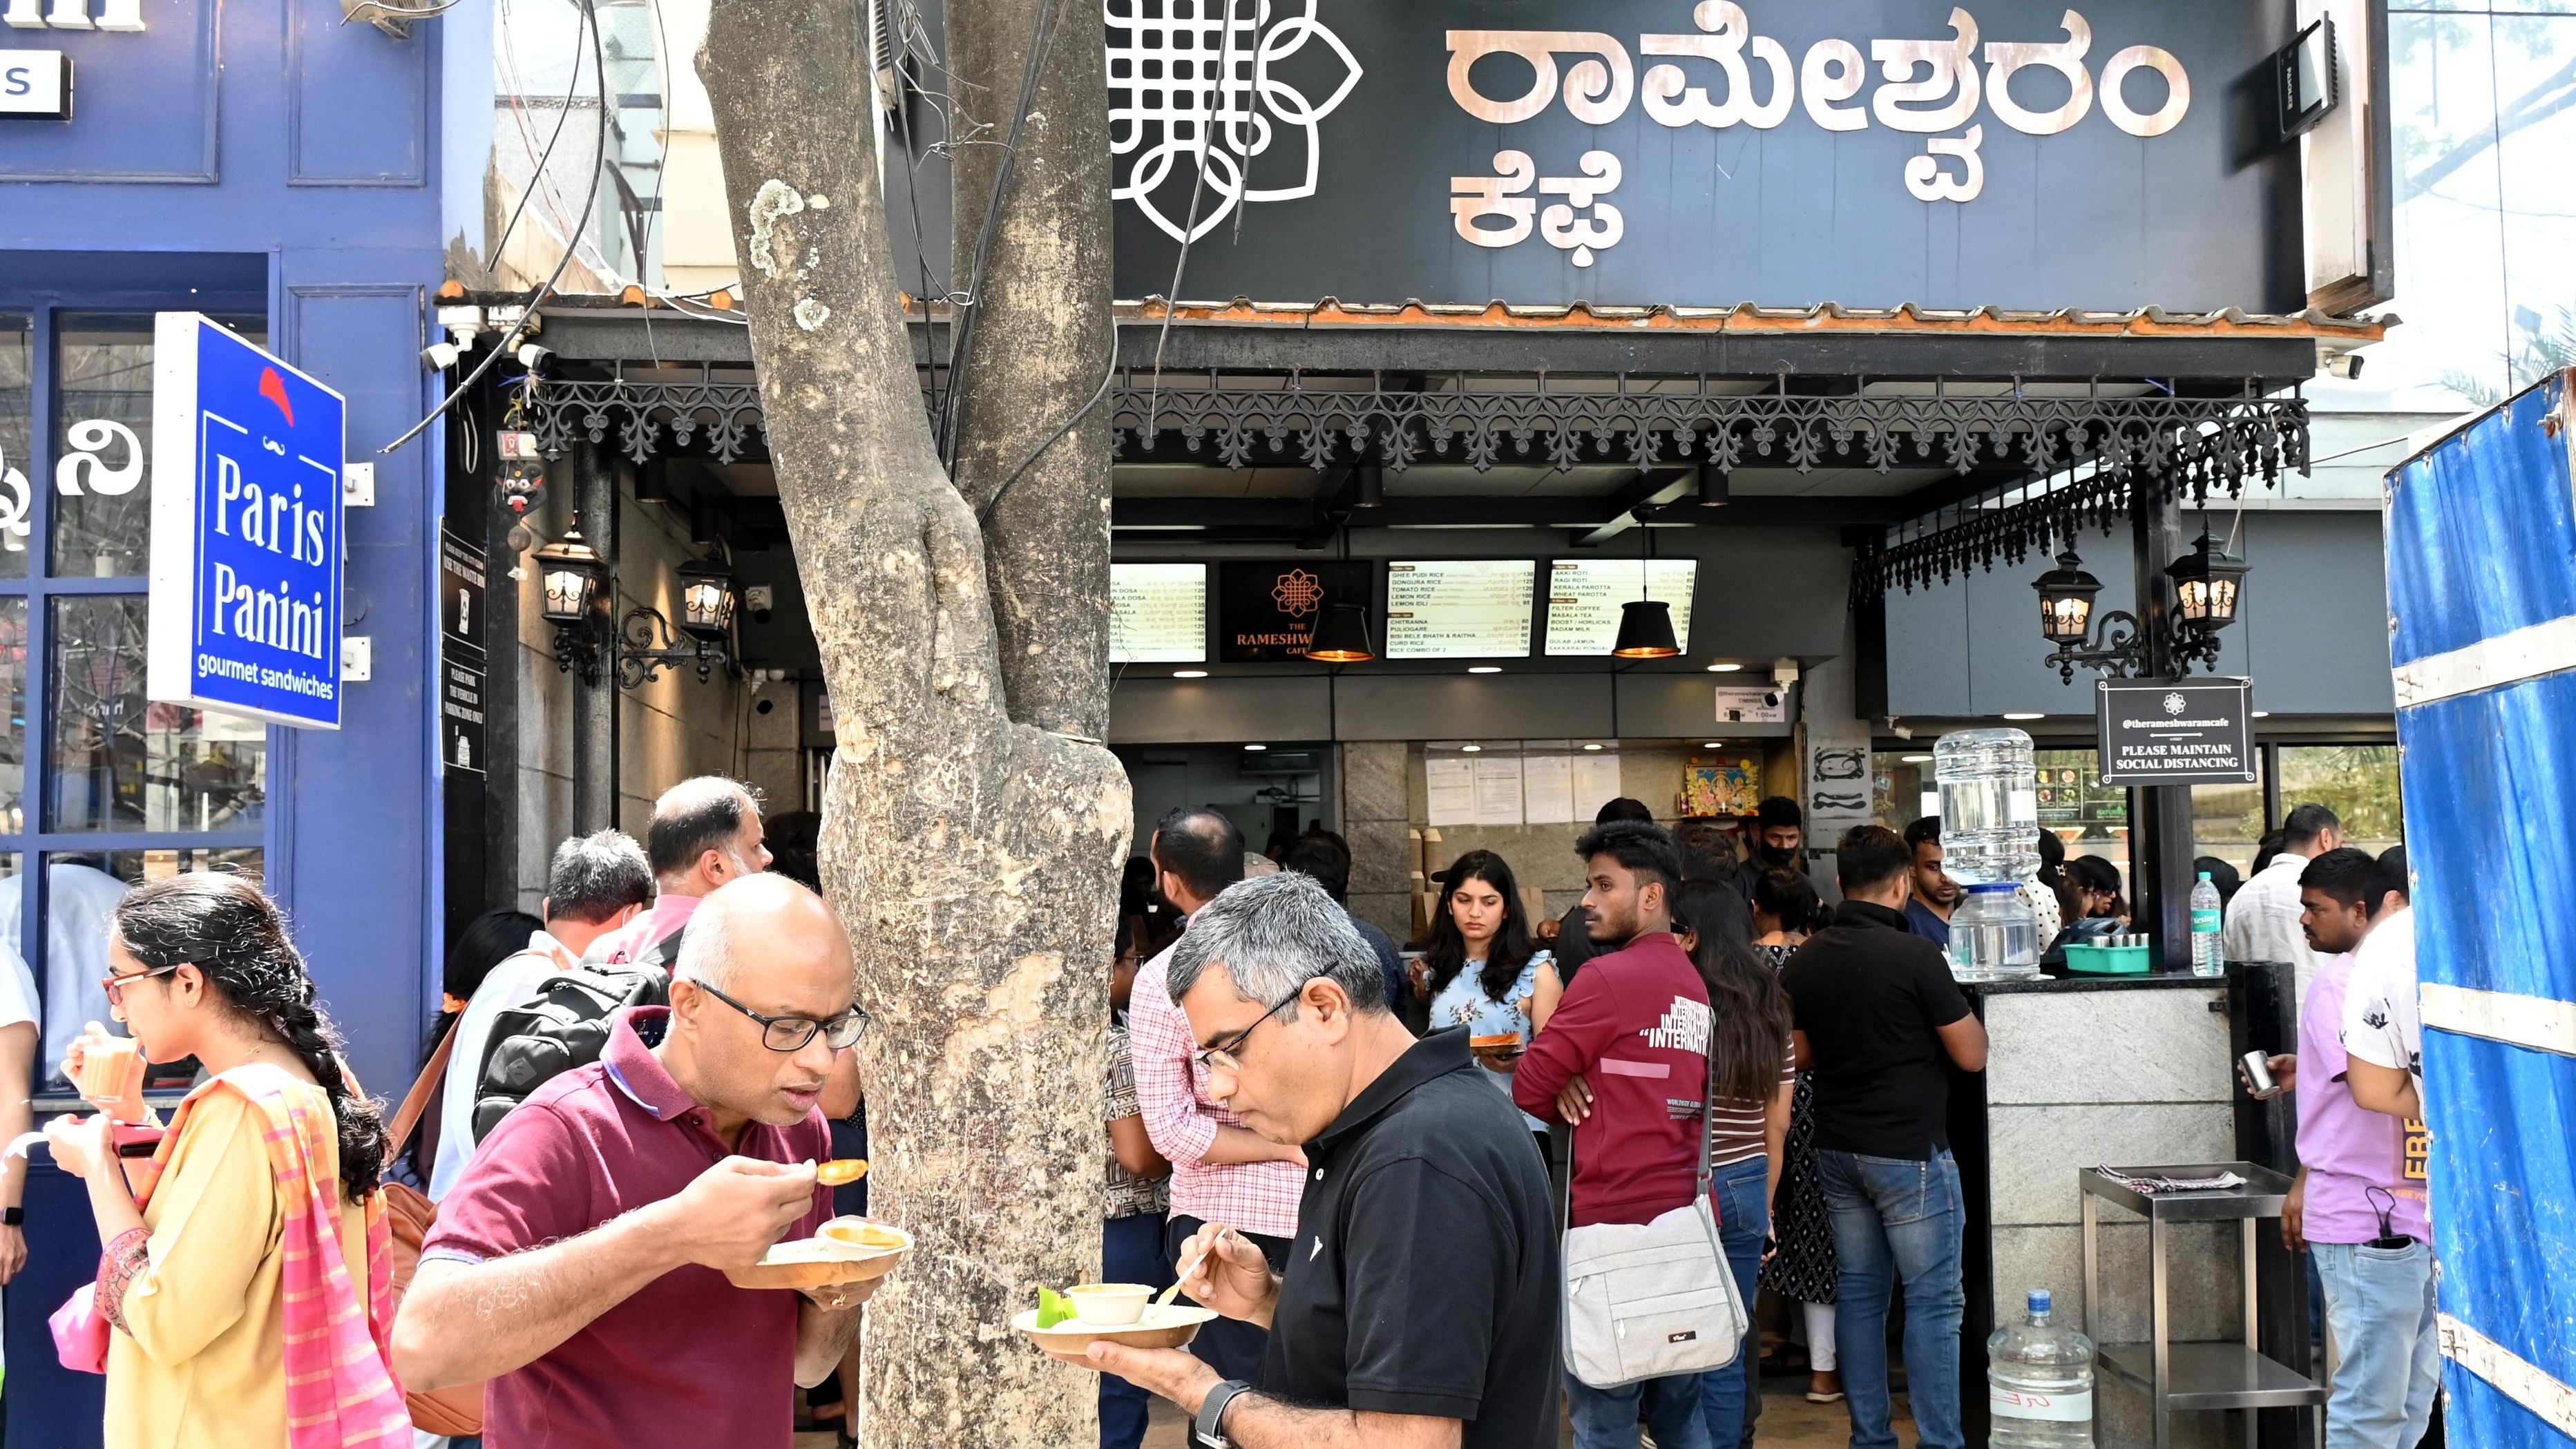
<point x="340" y="1387"/>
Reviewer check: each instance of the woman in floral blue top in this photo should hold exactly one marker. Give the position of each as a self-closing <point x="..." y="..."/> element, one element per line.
<point x="1484" y="972"/>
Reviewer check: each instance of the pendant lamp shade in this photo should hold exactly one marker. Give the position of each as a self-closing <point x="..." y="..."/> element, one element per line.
<point x="1341" y="636"/>
<point x="1646" y="631"/>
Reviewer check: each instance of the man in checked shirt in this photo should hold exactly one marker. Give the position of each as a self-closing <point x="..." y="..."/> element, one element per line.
<point x="1221" y="1171"/>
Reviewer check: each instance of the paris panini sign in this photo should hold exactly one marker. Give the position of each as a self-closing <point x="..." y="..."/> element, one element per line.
<point x="2012" y="152"/>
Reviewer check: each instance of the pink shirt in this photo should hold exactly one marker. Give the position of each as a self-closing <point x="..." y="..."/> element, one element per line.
<point x="1251" y="1197"/>
<point x="688" y="1359"/>
<point x="2346" y="1149"/>
<point x="670" y="912"/>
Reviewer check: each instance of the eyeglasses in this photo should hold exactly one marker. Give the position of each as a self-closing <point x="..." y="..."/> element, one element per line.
<point x="1222" y="1058"/>
<point x="791" y="1033"/>
<point x="114" y="985"/>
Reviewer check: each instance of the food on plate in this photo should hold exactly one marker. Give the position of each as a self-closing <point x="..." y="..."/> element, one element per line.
<point x="840" y="1171"/>
<point x="1109" y="1304"/>
<point x="1054" y="1308"/>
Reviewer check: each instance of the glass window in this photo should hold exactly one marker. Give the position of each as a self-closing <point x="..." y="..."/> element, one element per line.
<point x="2091" y="818"/>
<point x="17" y="439"/>
<point x="102" y="514"/>
<point x="13" y="729"/>
<point x="81" y="893"/>
<point x="122" y="762"/>
<point x="1898" y="781"/>
<point x="2227" y="821"/>
<point x="2357" y="782"/>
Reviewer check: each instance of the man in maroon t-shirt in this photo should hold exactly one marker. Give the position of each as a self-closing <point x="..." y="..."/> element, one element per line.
<point x="1628" y="1048"/>
<point x="578" y="1263"/>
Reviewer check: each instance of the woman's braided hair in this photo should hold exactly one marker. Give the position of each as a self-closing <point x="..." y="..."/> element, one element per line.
<point x="228" y="929"/>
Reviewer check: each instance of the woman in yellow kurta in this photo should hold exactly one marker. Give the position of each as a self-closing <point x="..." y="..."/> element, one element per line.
<point x="197" y="1280"/>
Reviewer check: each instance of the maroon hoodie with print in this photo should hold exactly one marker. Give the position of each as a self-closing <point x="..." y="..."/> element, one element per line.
<point x="1634" y="1025"/>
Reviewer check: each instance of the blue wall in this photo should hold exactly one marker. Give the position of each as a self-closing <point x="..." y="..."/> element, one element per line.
<point x="2312" y="631"/>
<point x="272" y="133"/>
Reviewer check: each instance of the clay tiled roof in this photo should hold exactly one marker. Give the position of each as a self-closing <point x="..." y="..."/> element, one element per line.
<point x="1747" y="317"/>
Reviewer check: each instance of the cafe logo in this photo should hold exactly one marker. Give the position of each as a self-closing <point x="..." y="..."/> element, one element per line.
<point x="1180" y="70"/>
<point x="2174" y="703"/>
<point x="1298" y="593"/>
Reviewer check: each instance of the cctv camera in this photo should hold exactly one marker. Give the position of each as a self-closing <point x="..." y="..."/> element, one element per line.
<point x="439" y="356"/>
<point x="2346" y="365"/>
<point x="531" y="354"/>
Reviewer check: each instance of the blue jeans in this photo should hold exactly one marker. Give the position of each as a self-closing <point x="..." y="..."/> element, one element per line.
<point x="2379" y="1303"/>
<point x="1731" y="1397"/>
<point x="1131" y="1251"/>
<point x="1607" y="1418"/>
<point x="1897" y="1219"/>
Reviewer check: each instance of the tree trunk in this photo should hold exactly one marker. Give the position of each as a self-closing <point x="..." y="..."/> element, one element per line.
<point x="972" y="848"/>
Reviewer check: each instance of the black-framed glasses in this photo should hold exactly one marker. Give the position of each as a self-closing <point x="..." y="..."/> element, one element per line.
<point x="1222" y="1058"/>
<point x="791" y="1033"/>
<point x="114" y="985"/>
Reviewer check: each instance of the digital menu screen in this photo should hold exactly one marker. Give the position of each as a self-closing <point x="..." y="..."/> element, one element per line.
<point x="1460" y="609"/>
<point x="1157" y="613"/>
<point x="1584" y="596"/>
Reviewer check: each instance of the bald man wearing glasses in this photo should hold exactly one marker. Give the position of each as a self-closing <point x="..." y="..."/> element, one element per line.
<point x="578" y="1265"/>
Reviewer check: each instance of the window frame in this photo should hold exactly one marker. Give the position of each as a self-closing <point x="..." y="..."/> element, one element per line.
<point x="37" y="842"/>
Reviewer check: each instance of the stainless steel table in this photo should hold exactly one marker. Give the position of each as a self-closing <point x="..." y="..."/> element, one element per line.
<point x="2194" y="1375"/>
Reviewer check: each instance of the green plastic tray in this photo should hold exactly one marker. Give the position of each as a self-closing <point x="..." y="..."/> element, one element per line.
<point x="2108" y="960"/>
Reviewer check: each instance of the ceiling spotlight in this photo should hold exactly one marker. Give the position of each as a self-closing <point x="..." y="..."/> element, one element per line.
<point x="2262" y="714"/>
<point x="1484" y="669"/>
<point x="1714" y="745"/>
<point x="1472" y="749"/>
<point x="1189" y="674"/>
<point x="2024" y="714"/>
<point x="1724" y="668"/>
<point x="1256" y="747"/>
<point x="1915" y="759"/>
<point x="1592" y="747"/>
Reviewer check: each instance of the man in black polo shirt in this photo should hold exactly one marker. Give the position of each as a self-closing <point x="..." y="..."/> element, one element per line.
<point x="1879" y="1024"/>
<point x="1419" y="1308"/>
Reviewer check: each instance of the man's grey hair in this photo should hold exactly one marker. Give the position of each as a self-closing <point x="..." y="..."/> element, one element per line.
<point x="593" y="877"/>
<point x="1273" y="934"/>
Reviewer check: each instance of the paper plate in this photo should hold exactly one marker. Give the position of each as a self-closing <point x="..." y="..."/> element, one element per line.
<point x="1163" y="1327"/>
<point x="823" y="1262"/>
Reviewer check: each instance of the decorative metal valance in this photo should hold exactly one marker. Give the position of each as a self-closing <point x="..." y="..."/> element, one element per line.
<point x="1483" y="420"/>
<point x="2097" y="491"/>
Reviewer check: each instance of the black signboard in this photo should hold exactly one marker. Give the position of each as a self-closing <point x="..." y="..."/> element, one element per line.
<point x="462" y="744"/>
<point x="2014" y="153"/>
<point x="460" y="595"/>
<point x="2175" y="731"/>
<point x="1266" y="611"/>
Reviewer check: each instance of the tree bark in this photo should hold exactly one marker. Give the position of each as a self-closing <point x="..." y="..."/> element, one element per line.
<point x="971" y="849"/>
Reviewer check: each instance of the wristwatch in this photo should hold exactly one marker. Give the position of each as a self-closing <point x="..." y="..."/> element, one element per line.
<point x="1209" y="1432"/>
<point x="13" y="1216"/>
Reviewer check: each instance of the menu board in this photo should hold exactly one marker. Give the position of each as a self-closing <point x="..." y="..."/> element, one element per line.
<point x="1584" y="596"/>
<point x="1157" y="613"/>
<point x="1462" y="609"/>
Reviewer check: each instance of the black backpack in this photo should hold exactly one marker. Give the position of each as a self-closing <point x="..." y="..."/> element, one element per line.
<point x="563" y="1024"/>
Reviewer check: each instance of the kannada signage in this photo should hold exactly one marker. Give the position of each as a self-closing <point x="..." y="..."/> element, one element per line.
<point x="1584" y="596"/>
<point x="1266" y="611"/>
<point x="2015" y="153"/>
<point x="1460" y="609"/>
<point x="1157" y="613"/>
<point x="246" y="540"/>
<point x="2175" y="731"/>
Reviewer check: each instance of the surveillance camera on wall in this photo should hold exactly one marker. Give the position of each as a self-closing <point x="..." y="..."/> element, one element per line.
<point x="439" y="356"/>
<point x="2346" y="365"/>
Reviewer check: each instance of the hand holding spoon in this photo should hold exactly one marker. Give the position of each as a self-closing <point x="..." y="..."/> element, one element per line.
<point x="1164" y="1299"/>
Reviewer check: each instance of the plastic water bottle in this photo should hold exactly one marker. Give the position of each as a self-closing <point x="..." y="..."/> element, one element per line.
<point x="2208" y="956"/>
<point x="1993" y="935"/>
<point x="1989" y="806"/>
<point x="2039" y="1383"/>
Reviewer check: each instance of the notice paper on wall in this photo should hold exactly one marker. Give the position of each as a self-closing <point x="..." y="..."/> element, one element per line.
<point x="1451" y="782"/>
<point x="1498" y="789"/>
<point x="1547" y="789"/>
<point x="1596" y="783"/>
